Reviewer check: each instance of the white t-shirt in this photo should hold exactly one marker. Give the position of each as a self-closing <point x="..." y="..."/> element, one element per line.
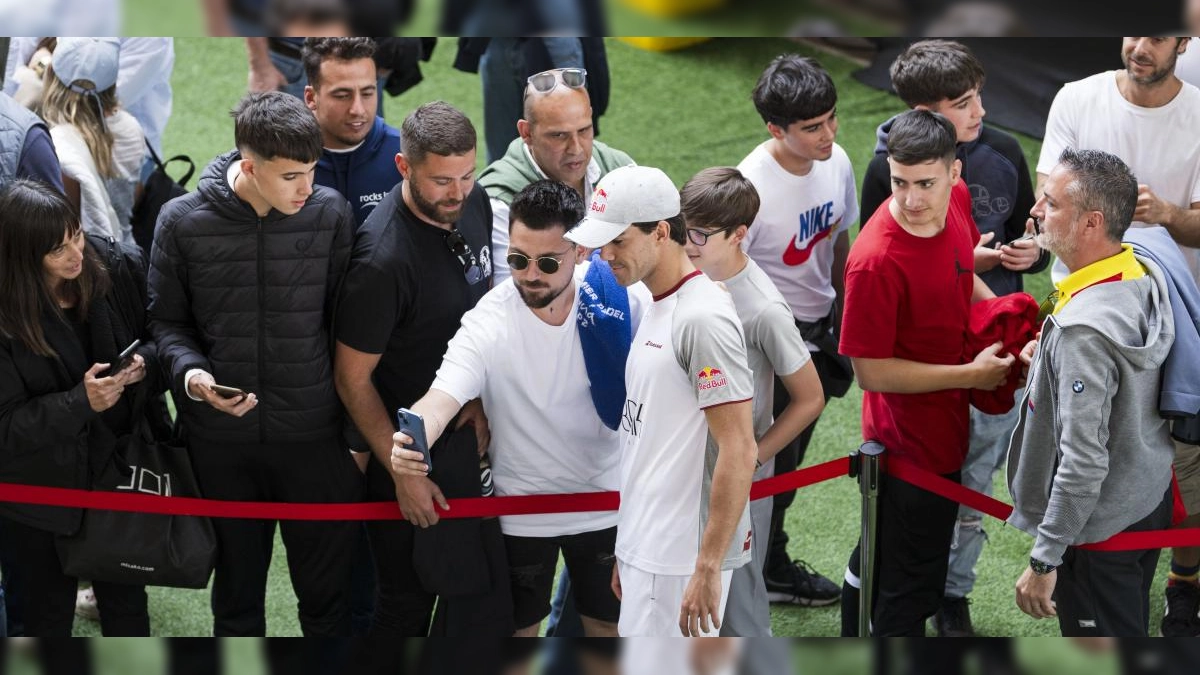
<point x="1161" y="145"/>
<point x="773" y="343"/>
<point x="798" y="220"/>
<point x="546" y="435"/>
<point x="688" y="354"/>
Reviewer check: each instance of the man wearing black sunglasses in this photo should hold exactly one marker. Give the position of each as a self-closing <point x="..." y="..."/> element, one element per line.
<point x="520" y="350"/>
<point x="420" y="261"/>
<point x="557" y="141"/>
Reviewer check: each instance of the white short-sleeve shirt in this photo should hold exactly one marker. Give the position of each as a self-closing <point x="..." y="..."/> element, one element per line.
<point x="688" y="354"/>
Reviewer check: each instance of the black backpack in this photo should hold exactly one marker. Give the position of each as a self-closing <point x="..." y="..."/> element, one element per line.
<point x="159" y="189"/>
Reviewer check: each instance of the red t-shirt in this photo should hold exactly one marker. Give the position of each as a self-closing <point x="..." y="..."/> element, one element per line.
<point x="909" y="297"/>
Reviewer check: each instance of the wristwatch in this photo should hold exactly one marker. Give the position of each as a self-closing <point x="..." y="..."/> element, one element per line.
<point x="1040" y="568"/>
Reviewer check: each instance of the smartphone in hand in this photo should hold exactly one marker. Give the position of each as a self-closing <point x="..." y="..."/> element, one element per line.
<point x="124" y="359"/>
<point x="228" y="392"/>
<point x="413" y="425"/>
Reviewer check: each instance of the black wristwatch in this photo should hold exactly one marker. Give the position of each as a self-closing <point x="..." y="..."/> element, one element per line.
<point x="1040" y="568"/>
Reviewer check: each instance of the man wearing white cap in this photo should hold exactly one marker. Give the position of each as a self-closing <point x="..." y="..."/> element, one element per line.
<point x="688" y="445"/>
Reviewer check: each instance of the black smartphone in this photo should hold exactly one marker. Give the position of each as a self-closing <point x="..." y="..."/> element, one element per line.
<point x="123" y="359"/>
<point x="228" y="392"/>
<point x="413" y="425"/>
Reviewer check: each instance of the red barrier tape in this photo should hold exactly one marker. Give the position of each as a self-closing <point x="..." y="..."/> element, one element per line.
<point x="1125" y="541"/>
<point x="478" y="507"/>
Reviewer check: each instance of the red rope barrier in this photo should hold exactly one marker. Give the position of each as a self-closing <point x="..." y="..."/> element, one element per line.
<point x="1125" y="541"/>
<point x="478" y="507"/>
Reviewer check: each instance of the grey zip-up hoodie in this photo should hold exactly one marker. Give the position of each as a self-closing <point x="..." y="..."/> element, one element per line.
<point x="1091" y="455"/>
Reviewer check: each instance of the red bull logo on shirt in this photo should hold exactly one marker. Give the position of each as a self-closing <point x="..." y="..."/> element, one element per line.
<point x="599" y="201"/>
<point x="710" y="378"/>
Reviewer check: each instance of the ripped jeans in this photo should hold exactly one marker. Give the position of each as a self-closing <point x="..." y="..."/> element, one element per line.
<point x="988" y="452"/>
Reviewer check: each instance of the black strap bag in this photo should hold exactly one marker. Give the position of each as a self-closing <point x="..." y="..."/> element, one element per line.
<point x="159" y="189"/>
<point x="143" y="549"/>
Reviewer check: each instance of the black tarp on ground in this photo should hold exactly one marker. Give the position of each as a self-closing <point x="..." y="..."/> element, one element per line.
<point x="1023" y="74"/>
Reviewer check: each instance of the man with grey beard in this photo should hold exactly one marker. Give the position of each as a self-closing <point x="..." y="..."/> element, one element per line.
<point x="1091" y="455"/>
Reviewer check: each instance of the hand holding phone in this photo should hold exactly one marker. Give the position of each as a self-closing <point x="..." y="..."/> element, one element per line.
<point x="412" y="425"/>
<point x="124" y="359"/>
<point x="227" y="392"/>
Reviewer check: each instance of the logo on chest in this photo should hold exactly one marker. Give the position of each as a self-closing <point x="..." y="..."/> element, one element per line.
<point x="631" y="418"/>
<point x="816" y="225"/>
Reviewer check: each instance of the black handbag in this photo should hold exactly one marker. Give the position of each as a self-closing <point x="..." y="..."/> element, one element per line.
<point x="159" y="189"/>
<point x="143" y="549"/>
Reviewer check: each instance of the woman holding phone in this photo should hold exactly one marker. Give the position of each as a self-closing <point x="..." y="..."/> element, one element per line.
<point x="71" y="304"/>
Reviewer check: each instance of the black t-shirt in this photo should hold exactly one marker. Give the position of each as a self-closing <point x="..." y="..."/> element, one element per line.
<point x="406" y="292"/>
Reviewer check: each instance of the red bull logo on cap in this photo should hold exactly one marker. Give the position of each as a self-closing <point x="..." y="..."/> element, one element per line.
<point x="710" y="378"/>
<point x="599" y="201"/>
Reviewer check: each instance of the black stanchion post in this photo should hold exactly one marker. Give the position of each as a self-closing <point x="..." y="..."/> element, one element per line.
<point x="865" y="466"/>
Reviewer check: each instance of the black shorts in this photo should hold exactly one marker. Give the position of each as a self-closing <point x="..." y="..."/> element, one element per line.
<point x="532" y="562"/>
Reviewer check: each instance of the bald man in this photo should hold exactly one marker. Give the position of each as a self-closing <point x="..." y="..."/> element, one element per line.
<point x="555" y="142"/>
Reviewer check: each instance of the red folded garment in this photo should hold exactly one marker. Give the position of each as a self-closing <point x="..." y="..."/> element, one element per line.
<point x="1011" y="319"/>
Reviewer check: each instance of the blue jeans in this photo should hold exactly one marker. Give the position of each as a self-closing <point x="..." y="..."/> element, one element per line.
<point x="564" y="618"/>
<point x="3" y="616"/>
<point x="502" y="72"/>
<point x="988" y="452"/>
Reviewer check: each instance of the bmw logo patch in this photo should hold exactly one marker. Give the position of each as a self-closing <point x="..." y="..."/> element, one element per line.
<point x="1077" y="387"/>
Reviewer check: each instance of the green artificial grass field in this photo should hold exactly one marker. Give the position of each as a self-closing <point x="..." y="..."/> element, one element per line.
<point x="681" y="111"/>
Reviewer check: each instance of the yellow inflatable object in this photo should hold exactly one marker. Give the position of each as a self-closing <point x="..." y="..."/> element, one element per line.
<point x="662" y="44"/>
<point x="669" y="8"/>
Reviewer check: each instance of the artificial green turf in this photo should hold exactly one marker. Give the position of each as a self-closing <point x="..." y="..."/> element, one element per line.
<point x="681" y="111"/>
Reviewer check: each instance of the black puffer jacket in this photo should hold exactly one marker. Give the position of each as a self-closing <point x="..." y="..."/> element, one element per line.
<point x="249" y="300"/>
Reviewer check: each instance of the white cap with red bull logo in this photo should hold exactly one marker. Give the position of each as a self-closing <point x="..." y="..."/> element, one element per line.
<point x="624" y="196"/>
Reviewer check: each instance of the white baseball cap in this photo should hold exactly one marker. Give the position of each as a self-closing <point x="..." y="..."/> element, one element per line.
<point x="87" y="58"/>
<point x="624" y="196"/>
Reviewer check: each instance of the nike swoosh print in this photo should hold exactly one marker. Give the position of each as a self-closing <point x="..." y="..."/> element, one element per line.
<point x="793" y="256"/>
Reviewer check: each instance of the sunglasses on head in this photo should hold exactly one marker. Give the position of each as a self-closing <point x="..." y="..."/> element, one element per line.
<point x="545" y="81"/>
<point x="700" y="237"/>
<point x="546" y="264"/>
<point x="457" y="244"/>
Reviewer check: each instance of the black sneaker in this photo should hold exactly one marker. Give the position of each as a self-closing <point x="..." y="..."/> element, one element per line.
<point x="953" y="618"/>
<point x="800" y="584"/>
<point x="1183" y="604"/>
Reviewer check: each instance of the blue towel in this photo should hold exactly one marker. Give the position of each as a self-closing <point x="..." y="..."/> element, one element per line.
<point x="605" y="333"/>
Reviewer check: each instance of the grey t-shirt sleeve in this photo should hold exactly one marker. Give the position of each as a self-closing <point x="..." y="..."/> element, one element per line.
<point x="710" y="347"/>
<point x="775" y="332"/>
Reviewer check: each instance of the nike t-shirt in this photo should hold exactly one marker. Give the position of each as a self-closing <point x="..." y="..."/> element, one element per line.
<point x="798" y="220"/>
<point x="688" y="354"/>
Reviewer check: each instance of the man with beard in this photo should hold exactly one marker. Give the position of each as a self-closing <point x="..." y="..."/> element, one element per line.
<point x="520" y="351"/>
<point x="1140" y="114"/>
<point x="420" y="261"/>
<point x="358" y="149"/>
<point x="1091" y="455"/>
